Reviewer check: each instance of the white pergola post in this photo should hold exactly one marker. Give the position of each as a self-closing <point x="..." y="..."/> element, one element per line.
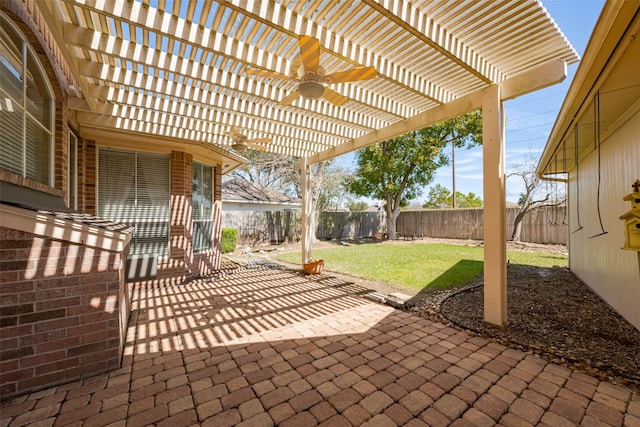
<point x="495" y="234"/>
<point x="307" y="225"/>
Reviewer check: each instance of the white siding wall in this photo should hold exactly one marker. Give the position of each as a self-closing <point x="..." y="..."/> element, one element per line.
<point x="599" y="261"/>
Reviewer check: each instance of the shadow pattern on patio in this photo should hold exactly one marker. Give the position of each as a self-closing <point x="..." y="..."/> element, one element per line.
<point x="268" y="346"/>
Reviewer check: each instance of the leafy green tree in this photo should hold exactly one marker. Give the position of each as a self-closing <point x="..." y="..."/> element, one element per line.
<point x="470" y="200"/>
<point x="357" y="205"/>
<point x="396" y="170"/>
<point x="441" y="198"/>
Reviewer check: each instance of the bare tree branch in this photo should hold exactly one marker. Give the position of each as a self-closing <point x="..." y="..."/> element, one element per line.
<point x="534" y="195"/>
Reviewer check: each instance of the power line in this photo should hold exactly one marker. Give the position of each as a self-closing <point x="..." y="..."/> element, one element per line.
<point x="530" y="127"/>
<point x="555" y="110"/>
<point x="526" y="140"/>
<point x="531" y="101"/>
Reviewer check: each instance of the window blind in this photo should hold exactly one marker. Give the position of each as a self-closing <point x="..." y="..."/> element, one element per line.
<point x="133" y="188"/>
<point x="26" y="123"/>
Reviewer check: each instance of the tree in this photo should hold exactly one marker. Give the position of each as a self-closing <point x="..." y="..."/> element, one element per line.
<point x="278" y="172"/>
<point x="395" y="170"/>
<point x="441" y="198"/>
<point x="270" y="170"/>
<point x="330" y="185"/>
<point x="469" y="200"/>
<point x="357" y="205"/>
<point x="536" y="192"/>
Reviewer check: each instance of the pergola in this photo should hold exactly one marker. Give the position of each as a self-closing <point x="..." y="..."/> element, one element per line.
<point x="178" y="69"/>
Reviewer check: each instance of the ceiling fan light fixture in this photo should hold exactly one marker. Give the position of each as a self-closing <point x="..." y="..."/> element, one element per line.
<point x="311" y="89"/>
<point x="239" y="146"/>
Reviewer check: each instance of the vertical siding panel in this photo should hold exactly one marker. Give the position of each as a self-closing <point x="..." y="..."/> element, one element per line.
<point x="598" y="258"/>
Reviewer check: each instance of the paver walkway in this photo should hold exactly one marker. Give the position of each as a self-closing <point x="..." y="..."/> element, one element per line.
<point x="266" y="346"/>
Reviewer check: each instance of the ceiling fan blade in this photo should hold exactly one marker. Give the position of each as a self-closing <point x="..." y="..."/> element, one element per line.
<point x="352" y="75"/>
<point x="290" y="98"/>
<point x="267" y="73"/>
<point x="259" y="141"/>
<point x="334" y="97"/>
<point x="234" y="134"/>
<point x="256" y="146"/>
<point x="310" y="54"/>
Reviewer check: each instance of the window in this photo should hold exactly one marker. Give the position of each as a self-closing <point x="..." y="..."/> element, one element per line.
<point x="26" y="109"/>
<point x="202" y="204"/>
<point x="73" y="171"/>
<point x="133" y="188"/>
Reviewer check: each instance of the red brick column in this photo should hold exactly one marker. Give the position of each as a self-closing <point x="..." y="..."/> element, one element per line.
<point x="181" y="250"/>
<point x="61" y="150"/>
<point x="87" y="168"/>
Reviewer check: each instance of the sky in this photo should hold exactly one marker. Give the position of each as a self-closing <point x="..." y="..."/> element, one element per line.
<point x="529" y="118"/>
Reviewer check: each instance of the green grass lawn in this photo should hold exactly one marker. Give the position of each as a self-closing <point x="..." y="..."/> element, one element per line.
<point x="419" y="265"/>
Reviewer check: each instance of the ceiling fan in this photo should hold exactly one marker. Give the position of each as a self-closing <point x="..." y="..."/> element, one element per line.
<point x="311" y="77"/>
<point x="240" y="142"/>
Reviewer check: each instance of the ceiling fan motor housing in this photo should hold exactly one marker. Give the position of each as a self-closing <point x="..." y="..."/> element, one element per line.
<point x="311" y="89"/>
<point x="310" y="85"/>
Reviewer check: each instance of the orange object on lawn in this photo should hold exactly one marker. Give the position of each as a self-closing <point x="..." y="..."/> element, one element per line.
<point x="313" y="266"/>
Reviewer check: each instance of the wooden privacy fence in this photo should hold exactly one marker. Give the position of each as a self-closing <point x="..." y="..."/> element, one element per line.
<point x="543" y="225"/>
<point x="349" y="225"/>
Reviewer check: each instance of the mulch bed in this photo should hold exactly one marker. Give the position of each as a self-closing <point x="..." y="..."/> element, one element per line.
<point x="552" y="313"/>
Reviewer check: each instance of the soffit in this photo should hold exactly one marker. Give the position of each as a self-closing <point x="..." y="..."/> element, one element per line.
<point x="211" y="154"/>
<point x="178" y="68"/>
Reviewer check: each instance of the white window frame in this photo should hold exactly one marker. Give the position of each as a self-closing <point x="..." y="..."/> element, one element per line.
<point x="209" y="246"/>
<point x="27" y="51"/>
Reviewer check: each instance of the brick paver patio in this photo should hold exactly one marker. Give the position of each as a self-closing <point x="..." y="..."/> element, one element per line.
<point x="266" y="346"/>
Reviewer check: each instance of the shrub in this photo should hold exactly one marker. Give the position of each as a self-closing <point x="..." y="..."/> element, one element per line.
<point x="229" y="240"/>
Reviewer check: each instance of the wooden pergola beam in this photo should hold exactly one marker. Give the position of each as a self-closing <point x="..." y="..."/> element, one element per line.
<point x="547" y="74"/>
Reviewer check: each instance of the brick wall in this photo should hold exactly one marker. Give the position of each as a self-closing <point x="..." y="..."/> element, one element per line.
<point x="60" y="311"/>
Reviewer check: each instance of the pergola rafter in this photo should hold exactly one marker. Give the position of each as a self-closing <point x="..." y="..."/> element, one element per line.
<point x="175" y="81"/>
<point x="259" y="58"/>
